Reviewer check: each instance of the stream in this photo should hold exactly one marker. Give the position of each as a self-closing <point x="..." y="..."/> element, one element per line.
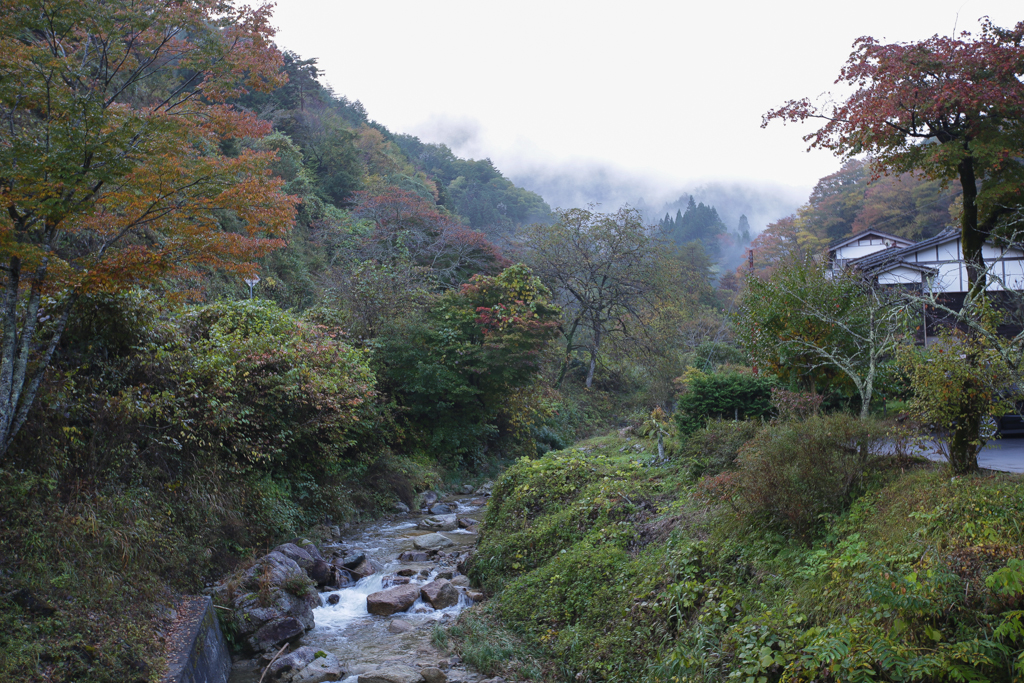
<point x="362" y="641"/>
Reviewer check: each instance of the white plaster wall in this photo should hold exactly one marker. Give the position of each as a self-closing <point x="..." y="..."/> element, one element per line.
<point x="900" y="275"/>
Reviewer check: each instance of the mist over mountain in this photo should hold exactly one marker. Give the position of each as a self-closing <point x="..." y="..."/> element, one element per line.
<point x="568" y="186"/>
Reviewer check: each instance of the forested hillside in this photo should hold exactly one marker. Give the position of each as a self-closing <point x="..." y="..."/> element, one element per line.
<point x="406" y="327"/>
<point x="237" y="309"/>
<point x="855" y="199"/>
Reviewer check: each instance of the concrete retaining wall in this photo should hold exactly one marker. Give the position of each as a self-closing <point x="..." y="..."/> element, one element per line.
<point x="197" y="651"/>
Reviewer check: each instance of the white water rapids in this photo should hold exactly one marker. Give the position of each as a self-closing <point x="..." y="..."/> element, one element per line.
<point x="360" y="640"/>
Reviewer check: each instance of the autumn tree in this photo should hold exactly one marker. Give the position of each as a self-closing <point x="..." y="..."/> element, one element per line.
<point x="953" y="109"/>
<point x="111" y="174"/>
<point x="782" y="243"/>
<point x="407" y="228"/>
<point x="950" y="107"/>
<point x="612" y="279"/>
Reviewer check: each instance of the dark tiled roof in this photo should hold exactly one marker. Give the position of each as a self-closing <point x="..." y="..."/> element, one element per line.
<point x="835" y="244"/>
<point x="887" y="257"/>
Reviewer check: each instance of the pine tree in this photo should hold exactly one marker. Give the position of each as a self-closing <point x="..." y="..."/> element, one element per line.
<point x="743" y="230"/>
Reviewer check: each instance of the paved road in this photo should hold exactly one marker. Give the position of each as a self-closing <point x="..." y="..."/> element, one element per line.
<point x="1005" y="455"/>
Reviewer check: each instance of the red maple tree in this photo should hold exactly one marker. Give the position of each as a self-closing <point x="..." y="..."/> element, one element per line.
<point x="405" y="225"/>
<point x="952" y="107"/>
<point x="111" y="171"/>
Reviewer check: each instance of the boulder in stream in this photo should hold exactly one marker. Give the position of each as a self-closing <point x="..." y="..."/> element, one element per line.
<point x="324" y="667"/>
<point x="466" y="522"/>
<point x="321" y="573"/>
<point x="309" y="547"/>
<point x="392" y="600"/>
<point x="440" y="509"/>
<point x="271" y="602"/>
<point x="352" y="562"/>
<point x="394" y="673"/>
<point x="440" y="594"/>
<point x="400" y="626"/>
<point x="292" y="662"/>
<point x="412" y="556"/>
<point x="438" y="523"/>
<point x="363" y="570"/>
<point x="275" y="632"/>
<point x="296" y="554"/>
<point x="433" y="541"/>
<point x="432" y="674"/>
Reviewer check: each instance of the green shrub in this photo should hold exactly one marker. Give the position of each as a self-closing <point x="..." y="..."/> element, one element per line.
<point x="791" y="474"/>
<point x="714" y="448"/>
<point x="455" y="371"/>
<point x="724" y="396"/>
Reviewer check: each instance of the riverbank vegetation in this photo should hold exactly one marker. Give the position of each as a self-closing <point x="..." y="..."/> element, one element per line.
<point x="793" y="556"/>
<point x="237" y="309"/>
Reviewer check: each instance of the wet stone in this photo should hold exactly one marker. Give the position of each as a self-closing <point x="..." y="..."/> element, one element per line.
<point x="413" y="556"/>
<point x="400" y="626"/>
<point x="392" y="674"/>
<point x="392" y="600"/>
<point x="320" y="670"/>
<point x="432" y="674"/>
<point x="440" y="594"/>
<point x="432" y="542"/>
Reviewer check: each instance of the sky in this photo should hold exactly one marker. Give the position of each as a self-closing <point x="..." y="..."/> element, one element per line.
<point x="651" y="96"/>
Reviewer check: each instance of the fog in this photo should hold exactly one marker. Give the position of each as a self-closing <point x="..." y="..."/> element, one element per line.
<point x="646" y="99"/>
<point x="581" y="185"/>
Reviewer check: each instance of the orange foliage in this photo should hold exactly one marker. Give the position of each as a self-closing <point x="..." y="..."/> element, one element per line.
<point x="112" y="174"/>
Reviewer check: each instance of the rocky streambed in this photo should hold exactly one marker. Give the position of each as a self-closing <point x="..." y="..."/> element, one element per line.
<point x="361" y="609"/>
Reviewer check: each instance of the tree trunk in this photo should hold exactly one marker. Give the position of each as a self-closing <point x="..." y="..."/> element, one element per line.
<point x="568" y="352"/>
<point x="963" y="451"/>
<point x="593" y="366"/>
<point x="10" y="345"/>
<point x="963" y="443"/>
<point x="865" y="404"/>
<point x="19" y="386"/>
<point x="971" y="238"/>
<point x="593" y="356"/>
<point x="963" y="455"/>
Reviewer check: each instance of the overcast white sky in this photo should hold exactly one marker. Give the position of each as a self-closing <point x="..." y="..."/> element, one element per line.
<point x="671" y="92"/>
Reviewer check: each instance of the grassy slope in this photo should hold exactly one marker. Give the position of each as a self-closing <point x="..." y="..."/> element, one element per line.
<point x="607" y="570"/>
<point x="87" y="576"/>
